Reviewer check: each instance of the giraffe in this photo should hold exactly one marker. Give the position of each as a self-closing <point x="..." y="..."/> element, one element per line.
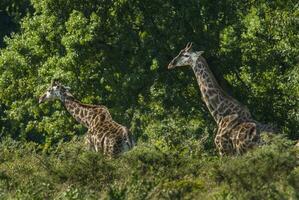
<point x="237" y="130"/>
<point x="104" y="134"/>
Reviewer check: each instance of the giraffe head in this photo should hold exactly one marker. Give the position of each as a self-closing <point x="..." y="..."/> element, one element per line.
<point x="186" y="57"/>
<point x="55" y="91"/>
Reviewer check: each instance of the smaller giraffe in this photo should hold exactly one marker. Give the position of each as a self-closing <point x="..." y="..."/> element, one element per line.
<point x="104" y="134"/>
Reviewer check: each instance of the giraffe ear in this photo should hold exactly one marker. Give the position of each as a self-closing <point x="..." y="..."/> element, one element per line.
<point x="199" y="53"/>
<point x="55" y="82"/>
<point x="67" y="88"/>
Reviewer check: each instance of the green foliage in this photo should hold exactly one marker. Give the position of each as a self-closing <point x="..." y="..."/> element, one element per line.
<point x="11" y="13"/>
<point x="115" y="53"/>
<point x="147" y="172"/>
<point x="260" y="164"/>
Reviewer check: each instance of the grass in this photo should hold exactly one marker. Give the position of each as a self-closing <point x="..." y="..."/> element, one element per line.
<point x="147" y="172"/>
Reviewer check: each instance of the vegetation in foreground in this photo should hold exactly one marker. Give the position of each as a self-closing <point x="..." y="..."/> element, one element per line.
<point x="148" y="172"/>
<point x="115" y="53"/>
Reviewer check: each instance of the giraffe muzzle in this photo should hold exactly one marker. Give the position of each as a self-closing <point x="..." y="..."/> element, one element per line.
<point x="170" y="66"/>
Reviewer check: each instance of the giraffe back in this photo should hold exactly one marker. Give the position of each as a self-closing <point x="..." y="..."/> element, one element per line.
<point x="108" y="136"/>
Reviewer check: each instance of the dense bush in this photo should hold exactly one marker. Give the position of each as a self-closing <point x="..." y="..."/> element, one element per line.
<point x="147" y="172"/>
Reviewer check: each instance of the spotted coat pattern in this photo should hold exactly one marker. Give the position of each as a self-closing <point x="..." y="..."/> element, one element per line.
<point x="104" y="134"/>
<point x="237" y="131"/>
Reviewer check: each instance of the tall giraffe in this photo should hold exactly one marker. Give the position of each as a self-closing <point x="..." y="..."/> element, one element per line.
<point x="104" y="134"/>
<point x="237" y="131"/>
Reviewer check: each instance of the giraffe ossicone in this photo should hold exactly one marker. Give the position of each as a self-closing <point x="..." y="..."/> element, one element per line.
<point x="104" y="134"/>
<point x="237" y="130"/>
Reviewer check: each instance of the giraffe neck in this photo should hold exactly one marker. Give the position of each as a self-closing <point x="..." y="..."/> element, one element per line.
<point x="218" y="102"/>
<point x="79" y="111"/>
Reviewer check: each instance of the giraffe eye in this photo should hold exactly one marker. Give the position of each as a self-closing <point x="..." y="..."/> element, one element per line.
<point x="186" y="56"/>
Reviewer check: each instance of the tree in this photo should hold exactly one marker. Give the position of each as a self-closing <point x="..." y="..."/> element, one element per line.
<point x="116" y="52"/>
